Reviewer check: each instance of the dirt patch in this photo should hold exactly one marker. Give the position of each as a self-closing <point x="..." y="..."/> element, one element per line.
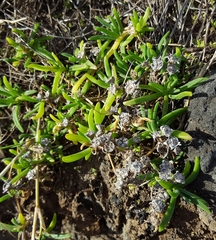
<point x="89" y="207"/>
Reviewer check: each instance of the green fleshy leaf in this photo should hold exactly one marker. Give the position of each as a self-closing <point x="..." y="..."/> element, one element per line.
<point x="77" y="138"/>
<point x="182" y="135"/>
<point x="16" y="120"/>
<point x="76" y="156"/>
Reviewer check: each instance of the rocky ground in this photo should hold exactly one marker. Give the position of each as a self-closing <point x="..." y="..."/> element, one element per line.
<point x="82" y="193"/>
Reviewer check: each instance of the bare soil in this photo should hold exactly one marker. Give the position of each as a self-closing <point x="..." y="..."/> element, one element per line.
<point x="82" y="193"/>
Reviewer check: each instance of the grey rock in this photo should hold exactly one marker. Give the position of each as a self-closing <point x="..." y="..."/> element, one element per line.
<point x="201" y="125"/>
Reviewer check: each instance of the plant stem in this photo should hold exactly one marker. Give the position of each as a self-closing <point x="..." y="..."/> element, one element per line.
<point x="111" y="162"/>
<point x="10" y="165"/>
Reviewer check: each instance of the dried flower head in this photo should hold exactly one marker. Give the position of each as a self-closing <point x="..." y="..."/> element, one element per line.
<point x="130" y="29"/>
<point x="166" y="130"/>
<point x="144" y="64"/>
<point x="179" y="177"/>
<point x="131" y="86"/>
<point x="162" y="149"/>
<point x="177" y="150"/>
<point x="136" y="139"/>
<point x="90" y="134"/>
<point x="156" y="135"/>
<point x="122" y="142"/>
<point x="121" y="173"/>
<point x="96" y="142"/>
<point x="114" y="109"/>
<point x="80" y="54"/>
<point x="95" y="51"/>
<point x="45" y="142"/>
<point x="161" y="194"/>
<point x="136" y="93"/>
<point x="108" y="147"/>
<point x="64" y="122"/>
<point x="145" y="160"/>
<point x="172" y="69"/>
<point x="105" y="137"/>
<point x="135" y="167"/>
<point x="166" y="169"/>
<point x="6" y="186"/>
<point x="157" y="64"/>
<point x="118" y="184"/>
<point x="100" y="129"/>
<point x="47" y="95"/>
<point x="125" y="120"/>
<point x="39" y="97"/>
<point x="31" y="174"/>
<point x="128" y="156"/>
<point x="103" y="141"/>
<point x="38" y="148"/>
<point x="133" y="74"/>
<point x="172" y="59"/>
<point x="158" y="205"/>
<point x="27" y="154"/>
<point x="112" y="88"/>
<point x="172" y="142"/>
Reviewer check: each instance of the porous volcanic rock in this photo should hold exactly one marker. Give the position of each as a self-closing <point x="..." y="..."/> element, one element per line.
<point x="201" y="125"/>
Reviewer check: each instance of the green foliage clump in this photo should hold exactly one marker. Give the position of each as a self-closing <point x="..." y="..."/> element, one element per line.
<point x="114" y="98"/>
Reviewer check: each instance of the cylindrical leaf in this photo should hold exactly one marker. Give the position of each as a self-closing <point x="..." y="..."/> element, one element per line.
<point x="76" y="156"/>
